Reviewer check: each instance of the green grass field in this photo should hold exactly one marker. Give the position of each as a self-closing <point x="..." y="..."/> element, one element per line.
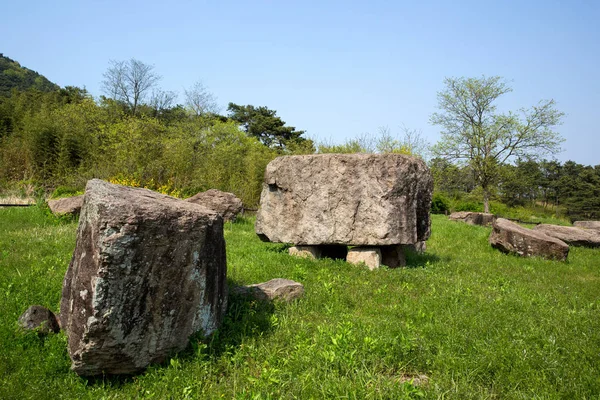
<point x="461" y="321"/>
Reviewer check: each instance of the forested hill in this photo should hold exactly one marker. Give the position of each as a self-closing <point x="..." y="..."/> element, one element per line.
<point x="13" y="75"/>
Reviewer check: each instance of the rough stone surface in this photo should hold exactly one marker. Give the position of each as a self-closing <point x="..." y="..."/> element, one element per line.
<point x="393" y="256"/>
<point x="349" y="199"/>
<point x="510" y="237"/>
<point x="571" y="235"/>
<point x="67" y="205"/>
<point x="227" y="205"/>
<point x="419" y="247"/>
<point x="473" y="218"/>
<point x="305" y="251"/>
<point x="595" y="225"/>
<point x="147" y="272"/>
<point x="370" y="256"/>
<point x="275" y="289"/>
<point x="39" y="318"/>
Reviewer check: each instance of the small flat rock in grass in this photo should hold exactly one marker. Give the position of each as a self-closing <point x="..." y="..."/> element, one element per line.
<point x="595" y="225"/>
<point x="66" y="206"/>
<point x="39" y="318"/>
<point x="510" y="237"/>
<point x="473" y="218"/>
<point x="275" y="289"/>
<point x="571" y="235"/>
<point x="147" y="272"/>
<point x="226" y="204"/>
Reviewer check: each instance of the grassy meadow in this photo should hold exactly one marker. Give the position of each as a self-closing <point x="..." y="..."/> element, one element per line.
<point x="462" y="321"/>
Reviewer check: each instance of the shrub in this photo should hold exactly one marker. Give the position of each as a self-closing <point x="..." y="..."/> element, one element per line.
<point x="439" y="204"/>
<point x="66" y="191"/>
<point x="468" y="206"/>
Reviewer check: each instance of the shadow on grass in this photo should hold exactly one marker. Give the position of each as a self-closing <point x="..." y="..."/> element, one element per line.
<point x="420" y="260"/>
<point x="278" y="247"/>
<point x="245" y="317"/>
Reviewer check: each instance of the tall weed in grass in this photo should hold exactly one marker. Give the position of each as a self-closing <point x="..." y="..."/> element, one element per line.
<point x="477" y="323"/>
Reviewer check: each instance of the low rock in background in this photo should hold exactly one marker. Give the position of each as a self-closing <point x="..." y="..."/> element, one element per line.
<point x="510" y="237"/>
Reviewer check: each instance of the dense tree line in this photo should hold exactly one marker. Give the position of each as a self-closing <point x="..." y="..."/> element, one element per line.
<point x="137" y="134"/>
<point x="567" y="188"/>
<point x="63" y="137"/>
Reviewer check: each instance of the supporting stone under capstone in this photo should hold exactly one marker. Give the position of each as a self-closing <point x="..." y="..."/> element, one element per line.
<point x="372" y="256"/>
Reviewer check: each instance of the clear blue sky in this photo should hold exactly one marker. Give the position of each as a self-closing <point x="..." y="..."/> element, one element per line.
<point x="337" y="69"/>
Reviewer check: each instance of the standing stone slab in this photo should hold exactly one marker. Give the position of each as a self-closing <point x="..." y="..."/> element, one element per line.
<point x="509" y="237"/>
<point x="345" y="199"/>
<point x="147" y="272"/>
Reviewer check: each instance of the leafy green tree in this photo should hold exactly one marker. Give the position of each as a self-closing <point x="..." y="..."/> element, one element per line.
<point x="451" y="179"/>
<point x="474" y="133"/>
<point x="520" y="183"/>
<point x="550" y="181"/>
<point x="584" y="200"/>
<point x="264" y="124"/>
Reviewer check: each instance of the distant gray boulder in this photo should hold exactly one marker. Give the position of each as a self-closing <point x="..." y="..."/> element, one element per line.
<point x="571" y="235"/>
<point x="595" y="225"/>
<point x="66" y="206"/>
<point x="510" y="237"/>
<point x="226" y="204"/>
<point x="473" y="218"/>
<point x="147" y="272"/>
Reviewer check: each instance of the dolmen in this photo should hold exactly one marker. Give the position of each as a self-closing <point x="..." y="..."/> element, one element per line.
<point x="148" y="271"/>
<point x="366" y="207"/>
<point x="510" y="237"/>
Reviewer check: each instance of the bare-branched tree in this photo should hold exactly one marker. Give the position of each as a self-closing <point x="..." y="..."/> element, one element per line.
<point x="199" y="100"/>
<point x="130" y="82"/>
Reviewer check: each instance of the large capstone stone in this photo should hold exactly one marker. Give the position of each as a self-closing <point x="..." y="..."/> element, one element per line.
<point x="345" y="199"/>
<point x="510" y="237"/>
<point x="147" y="272"/>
